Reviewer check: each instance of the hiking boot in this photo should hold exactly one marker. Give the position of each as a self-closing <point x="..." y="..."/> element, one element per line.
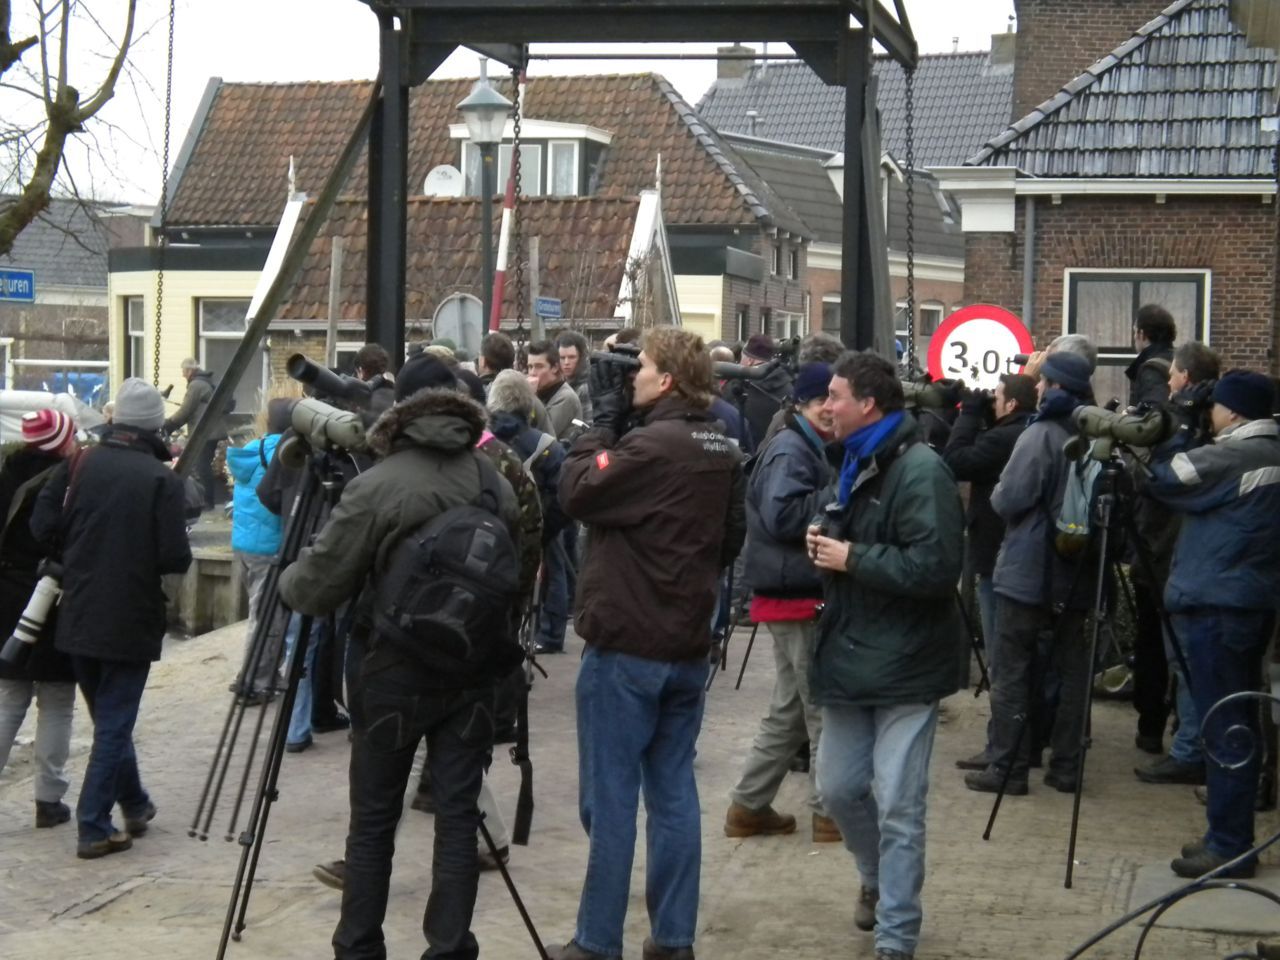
<point x="864" y="914"/>
<point x="825" y="830"/>
<point x="979" y="761"/>
<point x="988" y="781"/>
<point x="487" y="861"/>
<point x="652" y="951"/>
<point x="1149" y="743"/>
<point x="331" y="874"/>
<point x="1206" y="860"/>
<point x="50" y="813"/>
<point x="1193" y="849"/>
<point x="93" y="849"/>
<point x="1064" y="781"/>
<point x="884" y="953"/>
<point x="136" y="825"/>
<point x="741" y="821"/>
<point x="1169" y="770"/>
<point x="571" y="951"/>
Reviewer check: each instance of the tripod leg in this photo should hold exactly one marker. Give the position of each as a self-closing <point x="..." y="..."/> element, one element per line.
<point x="1149" y="570"/>
<point x="1023" y="723"/>
<point x="511" y="888"/>
<point x="751" y="642"/>
<point x="973" y="639"/>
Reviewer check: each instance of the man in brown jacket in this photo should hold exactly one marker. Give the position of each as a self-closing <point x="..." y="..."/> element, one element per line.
<point x="664" y="507"/>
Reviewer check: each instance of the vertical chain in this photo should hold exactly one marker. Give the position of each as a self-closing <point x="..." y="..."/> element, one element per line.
<point x="911" y="220"/>
<point x="162" y="240"/>
<point x="517" y="233"/>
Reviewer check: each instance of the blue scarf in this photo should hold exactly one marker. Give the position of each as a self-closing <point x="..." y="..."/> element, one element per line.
<point x="1057" y="405"/>
<point x="810" y="434"/>
<point x="861" y="445"/>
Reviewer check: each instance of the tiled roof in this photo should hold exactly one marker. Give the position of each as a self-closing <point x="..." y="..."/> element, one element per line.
<point x="583" y="246"/>
<point x="237" y="170"/>
<point x="960" y="100"/>
<point x="1183" y="97"/>
<point x="65" y="246"/>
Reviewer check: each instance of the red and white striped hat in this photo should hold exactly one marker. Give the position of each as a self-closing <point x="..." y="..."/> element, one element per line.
<point x="47" y="429"/>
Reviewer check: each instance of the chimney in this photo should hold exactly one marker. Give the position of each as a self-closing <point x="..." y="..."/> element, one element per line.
<point x="733" y="69"/>
<point x="753" y="117"/>
<point x="1004" y="49"/>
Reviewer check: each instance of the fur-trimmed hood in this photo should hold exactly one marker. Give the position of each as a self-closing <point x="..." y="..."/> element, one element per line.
<point x="437" y="418"/>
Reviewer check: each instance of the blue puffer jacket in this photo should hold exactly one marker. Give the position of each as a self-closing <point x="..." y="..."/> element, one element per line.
<point x="254" y="528"/>
<point x="1228" y="550"/>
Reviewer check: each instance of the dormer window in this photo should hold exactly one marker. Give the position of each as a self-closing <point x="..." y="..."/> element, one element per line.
<point x="530" y="169"/>
<point x="564" y="172"/>
<point x="556" y="159"/>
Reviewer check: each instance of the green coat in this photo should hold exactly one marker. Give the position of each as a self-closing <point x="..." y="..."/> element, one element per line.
<point x="890" y="629"/>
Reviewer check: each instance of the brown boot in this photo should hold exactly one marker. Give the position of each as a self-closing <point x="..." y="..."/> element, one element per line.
<point x="825" y="830"/>
<point x="743" y="822"/>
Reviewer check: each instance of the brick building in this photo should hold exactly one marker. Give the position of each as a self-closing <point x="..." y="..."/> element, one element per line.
<point x="1143" y="174"/>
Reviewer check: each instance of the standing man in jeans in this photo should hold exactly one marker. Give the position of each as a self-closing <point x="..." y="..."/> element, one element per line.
<point x="891" y="548"/>
<point x="664" y="509"/>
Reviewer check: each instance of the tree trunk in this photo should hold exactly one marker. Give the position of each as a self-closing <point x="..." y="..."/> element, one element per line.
<point x="35" y="196"/>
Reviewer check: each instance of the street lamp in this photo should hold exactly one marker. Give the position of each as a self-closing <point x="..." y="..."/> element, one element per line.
<point x="486" y="112"/>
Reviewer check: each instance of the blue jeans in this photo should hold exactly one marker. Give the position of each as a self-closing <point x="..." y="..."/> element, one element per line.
<point x="638" y="723"/>
<point x="300" y="719"/>
<point x="555" y="603"/>
<point x="113" y="692"/>
<point x="873" y="777"/>
<point x="1224" y="650"/>
<point x="1185" y="746"/>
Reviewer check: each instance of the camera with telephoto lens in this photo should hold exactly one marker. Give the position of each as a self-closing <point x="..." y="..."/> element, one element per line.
<point x="924" y="395"/>
<point x="326" y="384"/>
<point x="34" y="616"/>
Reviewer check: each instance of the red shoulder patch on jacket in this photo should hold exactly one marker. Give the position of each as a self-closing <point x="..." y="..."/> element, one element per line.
<point x="602" y="459"/>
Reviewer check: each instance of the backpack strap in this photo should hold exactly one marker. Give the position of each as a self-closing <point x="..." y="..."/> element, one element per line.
<point x="490" y="495"/>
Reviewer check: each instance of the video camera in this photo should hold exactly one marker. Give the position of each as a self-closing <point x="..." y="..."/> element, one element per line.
<point x="325" y="383"/>
<point x="624" y="355"/>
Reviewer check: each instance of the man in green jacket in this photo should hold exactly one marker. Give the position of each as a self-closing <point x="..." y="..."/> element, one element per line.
<point x="890" y="547"/>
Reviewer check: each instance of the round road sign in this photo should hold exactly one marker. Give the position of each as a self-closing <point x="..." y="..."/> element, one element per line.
<point x="977" y="344"/>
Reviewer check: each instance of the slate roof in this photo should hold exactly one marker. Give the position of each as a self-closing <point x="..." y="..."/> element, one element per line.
<point x="1183" y="97"/>
<point x="960" y="101"/>
<point x="236" y="174"/>
<point x="583" y="254"/>
<point x="65" y="246"/>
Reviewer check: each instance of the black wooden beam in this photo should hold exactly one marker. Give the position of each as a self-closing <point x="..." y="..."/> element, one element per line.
<point x="388" y="191"/>
<point x="854" y="330"/>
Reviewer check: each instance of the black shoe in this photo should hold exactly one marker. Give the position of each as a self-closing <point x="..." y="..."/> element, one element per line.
<point x="1206" y="860"/>
<point x="331" y="874"/>
<point x="299" y="746"/>
<point x="136" y="825"/>
<point x="979" y="761"/>
<point x="1062" y="781"/>
<point x="1149" y="744"/>
<point x="571" y="951"/>
<point x="1169" y="770"/>
<point x="339" y="721"/>
<point x="652" y="951"/>
<point x="1193" y="849"/>
<point x="50" y="813"/>
<point x="93" y="849"/>
<point x="255" y="698"/>
<point x="988" y="781"/>
<point x="547" y="648"/>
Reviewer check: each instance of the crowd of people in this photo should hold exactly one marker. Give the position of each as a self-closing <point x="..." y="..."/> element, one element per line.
<point x="655" y="495"/>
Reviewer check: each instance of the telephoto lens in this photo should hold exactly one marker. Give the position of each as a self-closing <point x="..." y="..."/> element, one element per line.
<point x="31" y="623"/>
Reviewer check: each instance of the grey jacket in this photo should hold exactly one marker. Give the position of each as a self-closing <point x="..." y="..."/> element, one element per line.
<point x="194" y="401"/>
<point x="563" y="407"/>
<point x="581" y="387"/>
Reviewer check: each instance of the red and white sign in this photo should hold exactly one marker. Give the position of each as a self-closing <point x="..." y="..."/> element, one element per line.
<point x="977" y="344"/>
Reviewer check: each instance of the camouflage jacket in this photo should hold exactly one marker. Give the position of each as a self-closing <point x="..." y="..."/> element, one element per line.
<point x="511" y="467"/>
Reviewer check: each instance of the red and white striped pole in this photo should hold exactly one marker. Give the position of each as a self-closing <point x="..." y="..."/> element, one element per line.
<point x="504" y="241"/>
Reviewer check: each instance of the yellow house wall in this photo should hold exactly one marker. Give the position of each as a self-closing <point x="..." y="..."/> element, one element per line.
<point x="700" y="299"/>
<point x="182" y="290"/>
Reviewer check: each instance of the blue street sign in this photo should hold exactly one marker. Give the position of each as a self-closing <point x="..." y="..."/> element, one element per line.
<point x="548" y="307"/>
<point x="20" y="285"/>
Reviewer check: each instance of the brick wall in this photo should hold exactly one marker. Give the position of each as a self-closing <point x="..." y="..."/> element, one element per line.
<point x="777" y="293"/>
<point x="1059" y="39"/>
<point x="951" y="295"/>
<point x="1233" y="237"/>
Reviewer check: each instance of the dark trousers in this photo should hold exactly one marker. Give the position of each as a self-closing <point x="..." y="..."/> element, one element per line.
<point x="1017" y="685"/>
<point x="1150" y="664"/>
<point x="113" y="691"/>
<point x="390" y="716"/>
<point x="1224" y="649"/>
<point x="204" y="469"/>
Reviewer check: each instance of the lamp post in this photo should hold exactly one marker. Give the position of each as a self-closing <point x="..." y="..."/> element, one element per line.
<point x="486" y="112"/>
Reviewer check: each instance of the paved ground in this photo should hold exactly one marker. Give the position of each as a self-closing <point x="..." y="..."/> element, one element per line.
<point x="761" y="898"/>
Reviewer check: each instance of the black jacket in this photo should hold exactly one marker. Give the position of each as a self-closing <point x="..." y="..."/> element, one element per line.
<point x="764" y="397"/>
<point x="979" y="456"/>
<point x="119" y="530"/>
<point x="20" y="555"/>
<point x="1149" y="374"/>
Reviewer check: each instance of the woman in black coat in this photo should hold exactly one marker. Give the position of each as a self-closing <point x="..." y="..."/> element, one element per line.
<point x="45" y="674"/>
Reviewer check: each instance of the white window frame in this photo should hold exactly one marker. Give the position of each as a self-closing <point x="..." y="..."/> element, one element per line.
<point x="933" y="306"/>
<point x="346" y="349"/>
<point x="900" y="310"/>
<point x="135" y="341"/>
<point x="776" y="265"/>
<point x="202" y="339"/>
<point x="793" y="263"/>
<point x="742" y="321"/>
<point x="792" y="324"/>
<point x="1206" y="334"/>
<point x="530" y="186"/>
<point x="553" y="146"/>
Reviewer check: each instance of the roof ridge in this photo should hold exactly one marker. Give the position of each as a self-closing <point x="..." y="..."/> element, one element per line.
<point x="1081" y="82"/>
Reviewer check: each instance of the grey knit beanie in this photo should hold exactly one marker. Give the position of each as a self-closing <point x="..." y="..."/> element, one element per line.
<point x="139" y="404"/>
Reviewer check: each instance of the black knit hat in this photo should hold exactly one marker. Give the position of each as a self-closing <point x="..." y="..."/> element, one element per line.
<point x="421" y="373"/>
<point x="1247" y="393"/>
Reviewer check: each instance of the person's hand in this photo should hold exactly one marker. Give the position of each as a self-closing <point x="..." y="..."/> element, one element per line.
<point x="951" y="392"/>
<point x="826" y="552"/>
<point x="610" y="388"/>
<point x="1034" y="363"/>
<point x="976" y="402"/>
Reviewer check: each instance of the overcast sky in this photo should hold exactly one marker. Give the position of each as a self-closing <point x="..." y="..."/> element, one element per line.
<point x="282" y="40"/>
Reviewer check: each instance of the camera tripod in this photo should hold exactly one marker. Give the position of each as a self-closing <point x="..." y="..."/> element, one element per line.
<point x="1112" y="515"/>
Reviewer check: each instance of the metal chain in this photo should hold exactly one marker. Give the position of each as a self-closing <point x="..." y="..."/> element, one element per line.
<point x="162" y="240"/>
<point x="517" y="234"/>
<point x="911" y="220"/>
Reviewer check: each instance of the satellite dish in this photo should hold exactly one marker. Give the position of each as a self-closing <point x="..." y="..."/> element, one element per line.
<point x="461" y="319"/>
<point x="443" y="181"/>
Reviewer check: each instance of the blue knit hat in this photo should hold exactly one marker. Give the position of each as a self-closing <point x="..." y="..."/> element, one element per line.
<point x="1247" y="393"/>
<point x="1069" y="370"/>
<point x="811" y="382"/>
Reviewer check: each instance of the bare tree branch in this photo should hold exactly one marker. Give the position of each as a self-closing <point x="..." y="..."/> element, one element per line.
<point x="108" y="88"/>
<point x="10" y="49"/>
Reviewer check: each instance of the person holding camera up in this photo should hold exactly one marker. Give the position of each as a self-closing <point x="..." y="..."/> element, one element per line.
<point x="1222" y="597"/>
<point x="981" y="442"/>
<point x="890" y="549"/>
<point x="115" y="514"/>
<point x="428" y="466"/>
<point x="764" y="397"/>
<point x="663" y="504"/>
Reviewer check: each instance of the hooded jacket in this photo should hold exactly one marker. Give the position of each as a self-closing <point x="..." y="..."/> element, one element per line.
<point x="254" y="528"/>
<point x="427" y="463"/>
<point x="543" y="465"/>
<point x="664" y="508"/>
<point x="194" y="401"/>
<point x="119" y="530"/>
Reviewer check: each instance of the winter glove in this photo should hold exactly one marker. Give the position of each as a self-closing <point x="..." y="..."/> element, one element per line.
<point x="610" y="386"/>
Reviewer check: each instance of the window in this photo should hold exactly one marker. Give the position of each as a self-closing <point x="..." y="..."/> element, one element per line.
<point x="793" y="263"/>
<point x="135" y="353"/>
<point x="930" y="319"/>
<point x="530" y="169"/>
<point x="777" y="259"/>
<point x="221" y="326"/>
<point x="1102" y="304"/>
<point x="345" y="356"/>
<point x="900" y="319"/>
<point x="790" y="325"/>
<point x="562" y="168"/>
<point x="831" y="312"/>
<point x="743" y="320"/>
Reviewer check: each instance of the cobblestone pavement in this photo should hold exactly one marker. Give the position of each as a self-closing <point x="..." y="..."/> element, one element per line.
<point x="770" y="897"/>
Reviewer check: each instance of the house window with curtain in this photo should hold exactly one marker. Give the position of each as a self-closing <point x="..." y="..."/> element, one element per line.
<point x="562" y="168"/>
<point x="135" y="344"/>
<point x="743" y="321"/>
<point x="1102" y="304"/>
<point x="531" y="182"/>
<point x="221" y="325"/>
<point x="831" y="312"/>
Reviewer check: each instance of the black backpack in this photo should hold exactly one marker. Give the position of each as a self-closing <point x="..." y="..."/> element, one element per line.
<point x="448" y="596"/>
